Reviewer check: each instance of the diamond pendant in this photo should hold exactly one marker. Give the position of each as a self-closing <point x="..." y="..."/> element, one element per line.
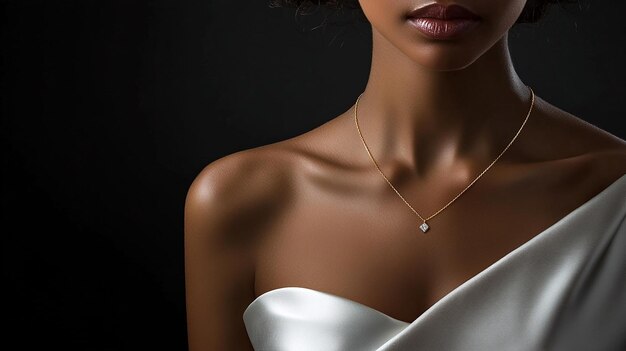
<point x="424" y="227"/>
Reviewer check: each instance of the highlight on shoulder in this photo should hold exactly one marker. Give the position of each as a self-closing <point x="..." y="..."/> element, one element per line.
<point x="240" y="186"/>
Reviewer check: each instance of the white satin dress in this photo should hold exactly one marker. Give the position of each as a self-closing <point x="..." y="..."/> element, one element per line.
<point x="563" y="290"/>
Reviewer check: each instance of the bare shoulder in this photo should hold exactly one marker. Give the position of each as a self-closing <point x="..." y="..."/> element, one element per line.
<point x="610" y="163"/>
<point x="241" y="188"/>
<point x="568" y="136"/>
<point x="228" y="207"/>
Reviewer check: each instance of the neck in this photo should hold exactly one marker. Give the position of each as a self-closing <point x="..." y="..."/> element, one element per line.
<point x="424" y="118"/>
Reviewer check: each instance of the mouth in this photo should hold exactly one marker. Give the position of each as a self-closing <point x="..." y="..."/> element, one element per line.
<point x="442" y="22"/>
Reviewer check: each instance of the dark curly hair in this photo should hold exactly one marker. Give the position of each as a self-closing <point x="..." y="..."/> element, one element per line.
<point x="531" y="13"/>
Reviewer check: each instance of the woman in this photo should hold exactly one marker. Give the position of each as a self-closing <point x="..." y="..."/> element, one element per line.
<point x="450" y="208"/>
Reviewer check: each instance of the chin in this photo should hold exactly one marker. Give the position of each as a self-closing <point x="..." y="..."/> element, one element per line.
<point x="452" y="55"/>
<point x="443" y="59"/>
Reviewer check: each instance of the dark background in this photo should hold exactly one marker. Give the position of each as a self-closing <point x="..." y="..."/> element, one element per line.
<point x="110" y="109"/>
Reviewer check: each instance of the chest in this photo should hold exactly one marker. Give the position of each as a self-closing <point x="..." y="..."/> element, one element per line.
<point x="383" y="260"/>
<point x="377" y="255"/>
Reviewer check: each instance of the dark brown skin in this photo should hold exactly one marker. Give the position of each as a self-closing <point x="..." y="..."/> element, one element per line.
<point x="312" y="211"/>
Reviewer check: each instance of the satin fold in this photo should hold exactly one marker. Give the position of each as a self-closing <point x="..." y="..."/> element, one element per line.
<point x="563" y="290"/>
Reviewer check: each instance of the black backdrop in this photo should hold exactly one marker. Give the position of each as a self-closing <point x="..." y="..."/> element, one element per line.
<point x="110" y="108"/>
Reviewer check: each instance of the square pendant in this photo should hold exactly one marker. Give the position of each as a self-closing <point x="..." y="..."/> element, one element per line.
<point x="424" y="227"/>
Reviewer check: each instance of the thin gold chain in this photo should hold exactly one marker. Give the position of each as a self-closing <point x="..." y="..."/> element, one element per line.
<point x="532" y="103"/>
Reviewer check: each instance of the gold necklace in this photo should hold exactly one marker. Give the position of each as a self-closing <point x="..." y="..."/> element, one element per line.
<point x="424" y="226"/>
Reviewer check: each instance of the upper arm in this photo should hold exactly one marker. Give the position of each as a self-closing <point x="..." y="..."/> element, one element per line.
<point x="231" y="207"/>
<point x="219" y="270"/>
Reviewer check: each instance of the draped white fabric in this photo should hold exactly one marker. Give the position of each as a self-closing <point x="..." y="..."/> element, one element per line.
<point x="565" y="289"/>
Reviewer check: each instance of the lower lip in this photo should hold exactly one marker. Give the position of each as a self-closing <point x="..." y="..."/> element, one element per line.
<point x="435" y="28"/>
